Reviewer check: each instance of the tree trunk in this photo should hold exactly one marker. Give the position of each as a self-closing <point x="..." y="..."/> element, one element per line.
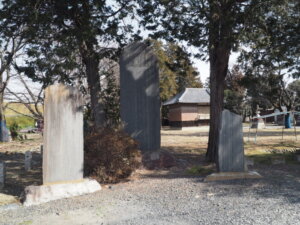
<point x="1" y="110"/>
<point x="218" y="69"/>
<point x="93" y="79"/>
<point x="1" y="99"/>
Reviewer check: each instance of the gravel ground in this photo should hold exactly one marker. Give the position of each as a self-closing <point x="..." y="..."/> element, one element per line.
<point x="166" y="198"/>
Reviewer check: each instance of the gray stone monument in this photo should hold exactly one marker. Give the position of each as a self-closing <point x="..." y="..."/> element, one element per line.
<point x="2" y="174"/>
<point x="62" y="148"/>
<point x="27" y="160"/>
<point x="63" y="135"/>
<point x="231" y="150"/>
<point x="140" y="103"/>
<point x="231" y="146"/>
<point x="4" y="132"/>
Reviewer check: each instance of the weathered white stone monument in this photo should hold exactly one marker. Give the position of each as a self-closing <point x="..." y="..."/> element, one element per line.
<point x="140" y="103"/>
<point x="63" y="135"/>
<point x="231" y="158"/>
<point x="62" y="148"/>
<point x="258" y="123"/>
<point x="2" y="174"/>
<point x="27" y="160"/>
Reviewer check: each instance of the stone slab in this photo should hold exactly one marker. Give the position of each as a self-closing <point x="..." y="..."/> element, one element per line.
<point x="2" y="174"/>
<point x="4" y="132"/>
<point x="63" y="134"/>
<point x="140" y="102"/>
<point x="231" y="145"/>
<point x="27" y="160"/>
<point x="232" y="176"/>
<point x="35" y="195"/>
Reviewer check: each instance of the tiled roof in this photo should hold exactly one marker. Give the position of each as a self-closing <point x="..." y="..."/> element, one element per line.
<point x="190" y="95"/>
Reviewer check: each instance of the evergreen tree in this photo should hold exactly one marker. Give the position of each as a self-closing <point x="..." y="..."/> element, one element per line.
<point x="70" y="38"/>
<point x="234" y="93"/>
<point x="176" y="71"/>
<point x="272" y="55"/>
<point x="215" y="28"/>
<point x="187" y="76"/>
<point x="167" y="78"/>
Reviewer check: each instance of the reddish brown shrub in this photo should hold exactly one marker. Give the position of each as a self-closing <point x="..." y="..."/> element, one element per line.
<point x="110" y="156"/>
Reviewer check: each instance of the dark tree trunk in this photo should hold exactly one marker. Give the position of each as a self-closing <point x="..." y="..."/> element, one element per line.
<point x="218" y="70"/>
<point x="93" y="79"/>
<point x="220" y="43"/>
<point x="90" y="58"/>
<point x="1" y="109"/>
<point x="1" y="99"/>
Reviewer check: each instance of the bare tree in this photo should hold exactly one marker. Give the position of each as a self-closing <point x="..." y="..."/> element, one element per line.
<point x="31" y="97"/>
<point x="9" y="51"/>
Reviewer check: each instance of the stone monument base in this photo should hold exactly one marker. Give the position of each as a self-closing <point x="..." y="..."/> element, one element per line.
<point x="158" y="160"/>
<point x="35" y="195"/>
<point x="232" y="176"/>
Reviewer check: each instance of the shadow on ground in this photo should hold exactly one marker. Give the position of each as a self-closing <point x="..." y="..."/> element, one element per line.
<point x="16" y="176"/>
<point x="267" y="133"/>
<point x="279" y="181"/>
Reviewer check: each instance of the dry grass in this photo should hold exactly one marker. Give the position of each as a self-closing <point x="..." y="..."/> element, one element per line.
<point x="189" y="141"/>
<point x="269" y="142"/>
<point x="19" y="108"/>
<point x="34" y="141"/>
<point x="187" y="145"/>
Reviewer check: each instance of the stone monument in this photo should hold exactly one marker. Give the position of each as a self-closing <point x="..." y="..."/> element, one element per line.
<point x="27" y="160"/>
<point x="4" y="132"/>
<point x="63" y="135"/>
<point x="258" y="123"/>
<point x="231" y="158"/>
<point x="62" y="148"/>
<point x="140" y="103"/>
<point x="2" y="174"/>
<point x="231" y="146"/>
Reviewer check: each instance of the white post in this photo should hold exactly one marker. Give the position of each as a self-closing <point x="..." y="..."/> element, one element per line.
<point x="28" y="157"/>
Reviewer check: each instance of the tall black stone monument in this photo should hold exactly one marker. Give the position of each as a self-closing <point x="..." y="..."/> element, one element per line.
<point x="140" y="103"/>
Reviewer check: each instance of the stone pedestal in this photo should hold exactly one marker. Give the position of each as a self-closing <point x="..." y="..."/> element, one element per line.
<point x="41" y="194"/>
<point x="232" y="176"/>
<point x="140" y="103"/>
